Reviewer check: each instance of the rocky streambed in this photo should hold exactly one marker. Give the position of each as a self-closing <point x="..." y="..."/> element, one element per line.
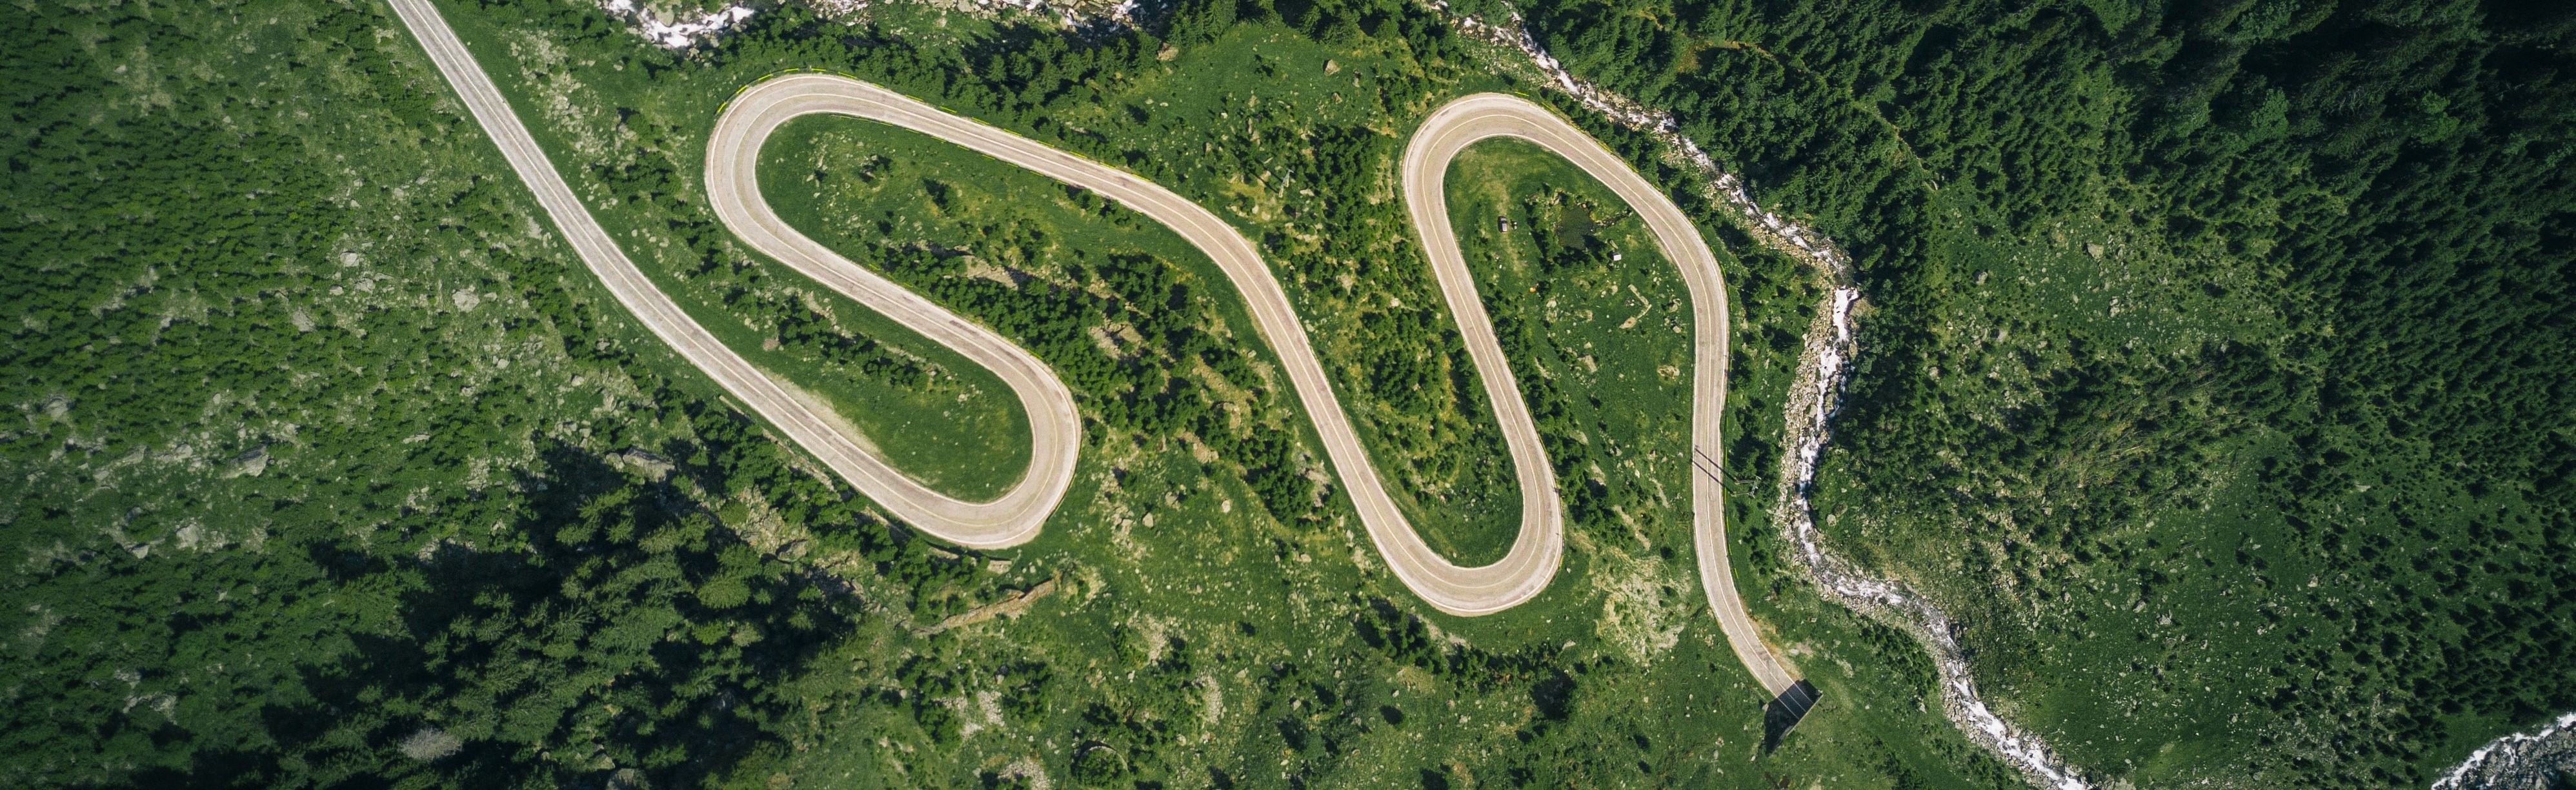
<point x="1824" y="365"/>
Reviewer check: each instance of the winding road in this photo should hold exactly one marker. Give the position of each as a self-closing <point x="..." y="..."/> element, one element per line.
<point x="1016" y="517"/>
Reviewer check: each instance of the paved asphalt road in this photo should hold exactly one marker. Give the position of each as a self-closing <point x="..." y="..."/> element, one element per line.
<point x="732" y="181"/>
<point x="1054" y="429"/>
<point x="1484" y="116"/>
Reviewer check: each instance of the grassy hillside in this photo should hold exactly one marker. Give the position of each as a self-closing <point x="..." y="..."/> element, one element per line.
<point x="331" y="459"/>
<point x="2216" y="376"/>
<point x="336" y="467"/>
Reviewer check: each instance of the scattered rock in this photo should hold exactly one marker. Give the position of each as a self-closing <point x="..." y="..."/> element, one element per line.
<point x="249" y="464"/>
<point x="1007" y="607"/>
<point x="653" y="467"/>
<point x="429" y="744"/>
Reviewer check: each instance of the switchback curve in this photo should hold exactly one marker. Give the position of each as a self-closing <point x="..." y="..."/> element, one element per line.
<point x="732" y="174"/>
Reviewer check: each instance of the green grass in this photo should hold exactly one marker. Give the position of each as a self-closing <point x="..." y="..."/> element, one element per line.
<point x="294" y="354"/>
<point x="957" y="428"/>
<point x="1380" y="324"/>
<point x="304" y="374"/>
<point x="1616" y="349"/>
<point x="1262" y="610"/>
<point x="2145" y="572"/>
<point x="858" y="185"/>
<point x="1628" y="604"/>
<point x="1552" y="310"/>
<point x="2226" y="421"/>
<point x="2140" y="661"/>
<point x="1623" y="388"/>
<point x="1204" y="621"/>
